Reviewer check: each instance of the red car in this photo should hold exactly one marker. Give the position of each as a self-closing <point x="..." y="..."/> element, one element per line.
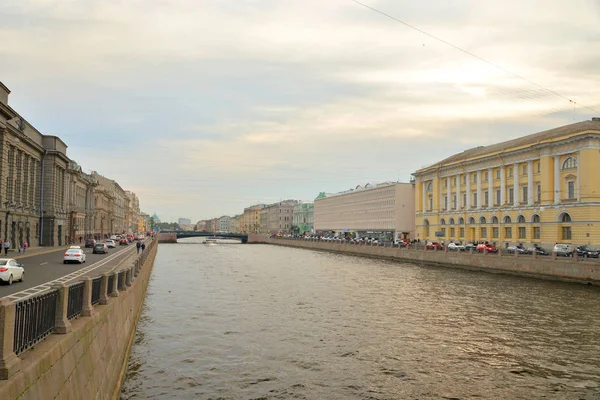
<point x="483" y="246"/>
<point x="434" y="246"/>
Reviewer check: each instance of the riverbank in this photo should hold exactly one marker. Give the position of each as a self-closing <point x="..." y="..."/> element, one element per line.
<point x="549" y="267"/>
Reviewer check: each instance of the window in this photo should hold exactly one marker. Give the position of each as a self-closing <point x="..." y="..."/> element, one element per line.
<point x="498" y="174"/>
<point x="464" y="179"/>
<point x="428" y="188"/>
<point x="454" y="181"/>
<point x="482" y="220"/>
<point x="430" y="203"/>
<point x="464" y="202"/>
<point x="471" y="221"/>
<point x="446" y="183"/>
<point x="524" y="189"/>
<point x="495" y="232"/>
<point x="535" y="219"/>
<point x="507" y="220"/>
<point x="461" y="221"/>
<point x="511" y="195"/>
<point x="462" y="232"/>
<point x="524" y="169"/>
<point x="565" y="218"/>
<point x="510" y="171"/>
<point x="494" y="220"/>
<point x="486" y="176"/>
<point x="536" y="232"/>
<point x="445" y="202"/>
<point x="474" y="200"/>
<point x="566" y="233"/>
<point x="451" y="221"/>
<point x="442" y="221"/>
<point x="498" y="193"/>
<point x="486" y="200"/>
<point x="571" y="190"/>
<point x="426" y="223"/>
<point x="452" y="230"/>
<point x="508" y="232"/>
<point x="538" y="192"/>
<point x="538" y="167"/>
<point x="483" y="232"/>
<point x="520" y="219"/>
<point x="569" y="163"/>
<point x="454" y="201"/>
<point x="475" y="177"/>
<point x="522" y="234"/>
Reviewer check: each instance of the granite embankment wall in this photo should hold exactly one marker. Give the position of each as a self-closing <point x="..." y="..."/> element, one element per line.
<point x="167" y="238"/>
<point x="566" y="269"/>
<point x="90" y="359"/>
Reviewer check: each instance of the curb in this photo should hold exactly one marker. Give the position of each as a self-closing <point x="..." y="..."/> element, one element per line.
<point x="40" y="253"/>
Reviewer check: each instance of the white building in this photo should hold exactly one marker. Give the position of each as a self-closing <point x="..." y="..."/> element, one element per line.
<point x="223" y="224"/>
<point x="184" y="221"/>
<point x="383" y="210"/>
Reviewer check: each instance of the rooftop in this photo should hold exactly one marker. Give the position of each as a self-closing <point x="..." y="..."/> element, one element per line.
<point x="591" y="126"/>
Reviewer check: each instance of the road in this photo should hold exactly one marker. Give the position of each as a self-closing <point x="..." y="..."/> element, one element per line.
<point x="44" y="270"/>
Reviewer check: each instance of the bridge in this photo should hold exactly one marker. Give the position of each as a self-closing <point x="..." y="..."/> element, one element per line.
<point x="243" y="237"/>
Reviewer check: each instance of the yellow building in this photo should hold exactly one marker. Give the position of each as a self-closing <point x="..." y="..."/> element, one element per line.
<point x="539" y="189"/>
<point x="250" y="220"/>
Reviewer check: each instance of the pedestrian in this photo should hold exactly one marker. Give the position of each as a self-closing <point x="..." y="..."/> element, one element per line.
<point x="80" y="239"/>
<point x="6" y="246"/>
<point x="138" y="246"/>
<point x="143" y="247"/>
<point x="25" y="246"/>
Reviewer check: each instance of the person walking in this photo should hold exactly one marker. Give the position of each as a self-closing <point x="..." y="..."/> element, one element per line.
<point x="25" y="246"/>
<point x="138" y="246"/>
<point x="143" y="247"/>
<point x="6" y="246"/>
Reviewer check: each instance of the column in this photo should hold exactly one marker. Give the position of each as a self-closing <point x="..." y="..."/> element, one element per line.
<point x="468" y="205"/>
<point x="578" y="185"/>
<point x="502" y="186"/>
<point x="530" y="184"/>
<point x="87" y="309"/>
<point x="556" y="179"/>
<point x="62" y="323"/>
<point x="516" y="184"/>
<point x="479" y="189"/>
<point x="449" y="193"/>
<point x="491" y="194"/>
<point x="424" y="196"/>
<point x="457" y="190"/>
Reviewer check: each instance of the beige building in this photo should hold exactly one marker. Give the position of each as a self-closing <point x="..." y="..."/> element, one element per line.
<point x="110" y="217"/>
<point x="132" y="212"/>
<point x="384" y="210"/>
<point x="280" y="217"/>
<point x="250" y="219"/>
<point x="233" y="224"/>
<point x="80" y="200"/>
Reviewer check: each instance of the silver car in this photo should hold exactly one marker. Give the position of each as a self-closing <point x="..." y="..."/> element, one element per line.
<point x="11" y="270"/>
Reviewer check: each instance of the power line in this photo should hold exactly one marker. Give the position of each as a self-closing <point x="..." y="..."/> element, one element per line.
<point x="473" y="55"/>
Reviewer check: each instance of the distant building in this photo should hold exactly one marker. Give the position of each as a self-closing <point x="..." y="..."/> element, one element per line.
<point x="383" y="210"/>
<point x="303" y="218"/>
<point x="279" y="216"/>
<point x="250" y="219"/>
<point x="155" y="218"/>
<point x="184" y="221"/>
<point x="264" y="220"/>
<point x="223" y="224"/>
<point x="233" y="224"/>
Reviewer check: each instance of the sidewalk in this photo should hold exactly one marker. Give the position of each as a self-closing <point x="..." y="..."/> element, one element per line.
<point x="32" y="251"/>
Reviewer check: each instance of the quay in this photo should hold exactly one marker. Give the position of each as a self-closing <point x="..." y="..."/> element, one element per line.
<point x="548" y="267"/>
<point x="72" y="341"/>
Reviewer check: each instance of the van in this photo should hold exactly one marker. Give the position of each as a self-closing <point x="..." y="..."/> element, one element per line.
<point x="563" y="249"/>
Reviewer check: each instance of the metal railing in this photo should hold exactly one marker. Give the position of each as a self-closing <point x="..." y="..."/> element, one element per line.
<point x="75" y="300"/>
<point x="111" y="284"/>
<point x="35" y="319"/>
<point x="96" y="286"/>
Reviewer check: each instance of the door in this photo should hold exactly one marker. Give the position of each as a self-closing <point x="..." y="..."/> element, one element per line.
<point x="472" y="235"/>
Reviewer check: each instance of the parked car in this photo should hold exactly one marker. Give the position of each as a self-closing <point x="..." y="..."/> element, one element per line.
<point x="564" y="250"/>
<point x="486" y="246"/>
<point x="537" y="250"/>
<point x="470" y="246"/>
<point x="516" y="249"/>
<point x="456" y="247"/>
<point x="11" y="270"/>
<point x="434" y="246"/>
<point x="100" y="248"/>
<point x="110" y="243"/>
<point x="74" y="255"/>
<point x="114" y="237"/>
<point x="586" y="252"/>
<point x="90" y="242"/>
<point x="123" y="242"/>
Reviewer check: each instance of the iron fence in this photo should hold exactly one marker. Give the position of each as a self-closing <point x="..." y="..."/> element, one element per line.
<point x="96" y="284"/>
<point x="121" y="282"/>
<point x="75" y="300"/>
<point x="34" y="320"/>
<point x="111" y="284"/>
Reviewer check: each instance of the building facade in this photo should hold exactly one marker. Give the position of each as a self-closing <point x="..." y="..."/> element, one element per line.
<point x="280" y="217"/>
<point x="384" y="210"/>
<point x="250" y="219"/>
<point x="184" y="221"/>
<point x="536" y="190"/>
<point x="80" y="200"/>
<point x="223" y="224"/>
<point x="303" y="218"/>
<point x="233" y="224"/>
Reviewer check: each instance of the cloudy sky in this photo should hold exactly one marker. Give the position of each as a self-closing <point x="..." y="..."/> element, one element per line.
<point x="205" y="107"/>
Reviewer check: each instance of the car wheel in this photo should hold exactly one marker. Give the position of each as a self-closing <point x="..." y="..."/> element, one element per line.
<point x="64" y="262"/>
<point x="22" y="277"/>
<point x="10" y="280"/>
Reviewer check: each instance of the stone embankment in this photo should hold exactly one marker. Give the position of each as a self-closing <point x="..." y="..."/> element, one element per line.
<point x="85" y="357"/>
<point x="546" y="267"/>
<point x="167" y="238"/>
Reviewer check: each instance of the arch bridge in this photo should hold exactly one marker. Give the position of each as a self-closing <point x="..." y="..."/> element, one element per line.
<point x="243" y="237"/>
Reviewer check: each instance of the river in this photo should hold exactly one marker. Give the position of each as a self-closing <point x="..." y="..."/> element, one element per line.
<point x="231" y="321"/>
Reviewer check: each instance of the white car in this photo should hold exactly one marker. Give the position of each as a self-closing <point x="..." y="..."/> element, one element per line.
<point x="74" y="255"/>
<point x="110" y="243"/>
<point x="114" y="237"/>
<point x="456" y="247"/>
<point x="11" y="270"/>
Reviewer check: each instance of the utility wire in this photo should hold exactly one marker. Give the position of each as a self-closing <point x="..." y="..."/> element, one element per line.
<point x="471" y="54"/>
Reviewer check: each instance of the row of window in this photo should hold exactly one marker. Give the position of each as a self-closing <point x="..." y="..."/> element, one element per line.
<point x="521" y="232"/>
<point x="535" y="219"/>
<point x="569" y="163"/>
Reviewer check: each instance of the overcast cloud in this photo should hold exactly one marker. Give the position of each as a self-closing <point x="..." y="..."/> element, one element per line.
<point x="205" y="107"/>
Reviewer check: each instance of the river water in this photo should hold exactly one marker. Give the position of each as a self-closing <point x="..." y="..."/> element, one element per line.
<point x="264" y="322"/>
